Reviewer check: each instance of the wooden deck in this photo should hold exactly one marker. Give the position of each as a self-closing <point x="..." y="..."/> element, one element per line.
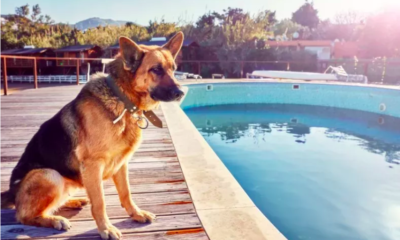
<point x="156" y="178"/>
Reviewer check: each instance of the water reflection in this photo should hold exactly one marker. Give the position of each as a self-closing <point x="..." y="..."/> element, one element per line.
<point x="339" y="123"/>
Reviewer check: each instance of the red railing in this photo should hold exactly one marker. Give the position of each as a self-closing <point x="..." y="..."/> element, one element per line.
<point x="363" y="65"/>
<point x="5" y="60"/>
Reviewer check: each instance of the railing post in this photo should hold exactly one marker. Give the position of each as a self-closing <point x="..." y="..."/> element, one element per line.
<point x="35" y="81"/>
<point x="198" y="68"/>
<point x="88" y="72"/>
<point x="241" y="69"/>
<point x="5" y="77"/>
<point x="77" y="72"/>
<point x="384" y="69"/>
<point x="365" y="69"/>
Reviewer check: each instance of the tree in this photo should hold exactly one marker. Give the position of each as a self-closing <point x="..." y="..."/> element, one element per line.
<point x="208" y="19"/>
<point x="349" y="17"/>
<point x="129" y="24"/>
<point x="162" y="28"/>
<point x="22" y="11"/>
<point x="35" y="12"/>
<point x="232" y="16"/>
<point x="76" y="36"/>
<point x="22" y="17"/>
<point x="306" y="15"/>
<point x="281" y="26"/>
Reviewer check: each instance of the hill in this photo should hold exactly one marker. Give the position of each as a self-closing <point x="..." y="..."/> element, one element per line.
<point x="95" y="22"/>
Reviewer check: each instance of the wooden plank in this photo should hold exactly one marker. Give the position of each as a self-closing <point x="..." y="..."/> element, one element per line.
<point x="135" y="182"/>
<point x="35" y="118"/>
<point x="167" y="185"/>
<point x="142" y="188"/>
<point x="7" y="134"/>
<point x="144" y="176"/>
<point x="146" y="142"/>
<point x="16" y="152"/>
<point x="25" y="141"/>
<point x="88" y="228"/>
<point x="185" y="234"/>
<point x="37" y="124"/>
<point x="164" y="143"/>
<point x="138" y="154"/>
<point x="137" y="168"/>
<point x="155" y="198"/>
<point x="12" y="156"/>
<point x="133" y="167"/>
<point x="134" y="159"/>
<point x="113" y="212"/>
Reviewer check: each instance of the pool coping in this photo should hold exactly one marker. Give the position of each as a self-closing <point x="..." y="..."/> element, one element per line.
<point x="224" y="208"/>
<point x="294" y="81"/>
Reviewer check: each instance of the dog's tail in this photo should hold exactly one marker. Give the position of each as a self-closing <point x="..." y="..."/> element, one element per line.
<point x="7" y="200"/>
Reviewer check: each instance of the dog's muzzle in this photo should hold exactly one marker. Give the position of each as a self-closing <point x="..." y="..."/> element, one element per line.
<point x="166" y="94"/>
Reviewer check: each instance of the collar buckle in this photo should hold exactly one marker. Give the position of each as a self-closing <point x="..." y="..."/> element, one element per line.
<point x="139" y="119"/>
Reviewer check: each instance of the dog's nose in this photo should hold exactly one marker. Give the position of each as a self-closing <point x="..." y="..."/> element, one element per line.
<point x="178" y="94"/>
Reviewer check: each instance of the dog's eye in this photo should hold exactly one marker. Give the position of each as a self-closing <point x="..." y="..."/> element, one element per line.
<point x="158" y="71"/>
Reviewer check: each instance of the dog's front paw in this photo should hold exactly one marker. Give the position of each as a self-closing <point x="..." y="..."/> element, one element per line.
<point x="144" y="216"/>
<point x="61" y="223"/>
<point x="110" y="232"/>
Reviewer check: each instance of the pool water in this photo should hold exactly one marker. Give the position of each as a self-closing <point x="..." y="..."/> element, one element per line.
<point x="317" y="173"/>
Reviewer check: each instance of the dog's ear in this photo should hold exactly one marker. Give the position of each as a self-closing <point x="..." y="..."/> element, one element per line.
<point x="131" y="53"/>
<point x="174" y="44"/>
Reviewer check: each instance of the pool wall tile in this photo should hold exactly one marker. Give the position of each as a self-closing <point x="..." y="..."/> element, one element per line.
<point x="369" y="99"/>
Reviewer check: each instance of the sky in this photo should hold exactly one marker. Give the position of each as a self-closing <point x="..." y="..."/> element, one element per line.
<point x="142" y="11"/>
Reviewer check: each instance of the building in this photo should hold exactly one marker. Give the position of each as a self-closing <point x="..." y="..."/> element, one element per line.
<point x="344" y="50"/>
<point x="323" y="49"/>
<point x="25" y="66"/>
<point x="78" y="51"/>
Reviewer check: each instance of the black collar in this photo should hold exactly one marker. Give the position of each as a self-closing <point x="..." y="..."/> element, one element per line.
<point x="130" y="106"/>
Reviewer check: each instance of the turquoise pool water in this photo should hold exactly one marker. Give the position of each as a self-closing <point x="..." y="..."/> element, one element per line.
<point x="316" y="172"/>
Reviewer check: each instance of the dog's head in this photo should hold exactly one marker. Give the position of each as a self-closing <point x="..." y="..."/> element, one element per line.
<point x="151" y="70"/>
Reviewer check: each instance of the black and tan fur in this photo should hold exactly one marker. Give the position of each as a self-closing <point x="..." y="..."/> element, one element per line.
<point x="80" y="146"/>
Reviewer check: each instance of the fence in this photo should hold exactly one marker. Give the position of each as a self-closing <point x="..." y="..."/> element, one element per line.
<point x="378" y="71"/>
<point x="382" y="71"/>
<point x="46" y="79"/>
<point x="32" y="63"/>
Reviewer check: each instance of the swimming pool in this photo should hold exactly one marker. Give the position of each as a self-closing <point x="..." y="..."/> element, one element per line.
<point x="317" y="169"/>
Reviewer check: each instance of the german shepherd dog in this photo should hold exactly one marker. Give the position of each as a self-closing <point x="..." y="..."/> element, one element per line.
<point x="81" y="145"/>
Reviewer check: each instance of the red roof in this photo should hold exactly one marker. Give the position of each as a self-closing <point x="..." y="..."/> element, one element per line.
<point x="304" y="43"/>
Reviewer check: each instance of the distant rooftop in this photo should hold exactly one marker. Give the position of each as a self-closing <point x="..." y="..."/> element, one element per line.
<point x="186" y="43"/>
<point x="302" y="43"/>
<point x="75" y="48"/>
<point x="158" y="39"/>
<point x="25" y="51"/>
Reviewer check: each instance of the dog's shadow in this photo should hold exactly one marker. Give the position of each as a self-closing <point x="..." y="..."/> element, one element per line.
<point x="85" y="227"/>
<point x="12" y="229"/>
<point x="126" y="225"/>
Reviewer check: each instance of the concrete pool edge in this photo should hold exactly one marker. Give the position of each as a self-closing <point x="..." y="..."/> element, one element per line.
<point x="294" y="81"/>
<point x="224" y="208"/>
